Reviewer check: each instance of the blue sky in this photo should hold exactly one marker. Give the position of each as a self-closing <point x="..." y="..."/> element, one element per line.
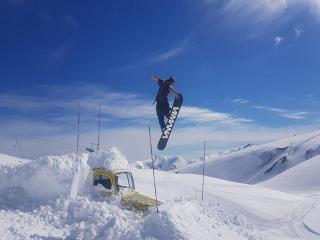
<point x="248" y="71"/>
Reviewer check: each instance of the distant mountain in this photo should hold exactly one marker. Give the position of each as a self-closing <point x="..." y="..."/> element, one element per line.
<point x="256" y="164"/>
<point x="165" y="163"/>
<point x="7" y="161"/>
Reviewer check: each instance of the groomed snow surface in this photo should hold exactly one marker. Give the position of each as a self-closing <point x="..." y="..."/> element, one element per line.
<point x="260" y="192"/>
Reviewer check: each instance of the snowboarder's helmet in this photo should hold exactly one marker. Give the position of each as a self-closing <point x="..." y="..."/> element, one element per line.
<point x="171" y="79"/>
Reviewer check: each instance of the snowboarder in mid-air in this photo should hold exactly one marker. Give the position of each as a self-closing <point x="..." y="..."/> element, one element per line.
<point x="163" y="109"/>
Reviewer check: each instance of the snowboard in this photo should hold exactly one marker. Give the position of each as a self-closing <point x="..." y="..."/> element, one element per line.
<point x="177" y="103"/>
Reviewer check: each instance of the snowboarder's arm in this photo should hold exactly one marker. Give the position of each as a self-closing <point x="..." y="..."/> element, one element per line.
<point x="155" y="78"/>
<point x="176" y="94"/>
<point x="159" y="80"/>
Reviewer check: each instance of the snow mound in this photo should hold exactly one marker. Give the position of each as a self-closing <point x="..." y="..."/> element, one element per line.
<point x="47" y="178"/>
<point x="193" y="219"/>
<point x="82" y="218"/>
<point x="110" y="159"/>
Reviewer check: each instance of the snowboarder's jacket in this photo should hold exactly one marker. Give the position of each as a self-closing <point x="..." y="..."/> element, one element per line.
<point x="164" y="89"/>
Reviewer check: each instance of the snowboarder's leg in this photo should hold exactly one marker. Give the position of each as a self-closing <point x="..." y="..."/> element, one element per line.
<point x="167" y="110"/>
<point x="160" y="113"/>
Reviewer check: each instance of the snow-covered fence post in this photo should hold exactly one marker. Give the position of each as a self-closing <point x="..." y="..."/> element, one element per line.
<point x="154" y="179"/>
<point x="204" y="164"/>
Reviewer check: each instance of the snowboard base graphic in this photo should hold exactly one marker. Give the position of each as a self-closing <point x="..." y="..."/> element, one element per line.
<point x="170" y="123"/>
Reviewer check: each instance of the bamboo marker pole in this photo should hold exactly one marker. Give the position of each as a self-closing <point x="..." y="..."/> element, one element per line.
<point x="154" y="179"/>
<point x="204" y="164"/>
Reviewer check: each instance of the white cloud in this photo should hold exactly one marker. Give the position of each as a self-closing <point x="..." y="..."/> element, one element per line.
<point x="202" y="115"/>
<point x="266" y="11"/>
<point x="240" y="101"/>
<point x="114" y="105"/>
<point x="58" y="134"/>
<point x="298" y="30"/>
<point x="278" y="40"/>
<point x="296" y="115"/>
<point x="168" y="54"/>
<point x="271" y="109"/>
<point x="284" y="113"/>
<point x="258" y="11"/>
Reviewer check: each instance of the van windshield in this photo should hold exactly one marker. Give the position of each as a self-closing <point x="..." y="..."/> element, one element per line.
<point x="124" y="180"/>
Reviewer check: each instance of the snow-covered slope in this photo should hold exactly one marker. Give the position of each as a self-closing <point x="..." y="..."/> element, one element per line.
<point x="259" y="163"/>
<point x="304" y="177"/>
<point x="50" y="198"/>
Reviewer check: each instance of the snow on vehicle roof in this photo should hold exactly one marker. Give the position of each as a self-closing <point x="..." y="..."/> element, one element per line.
<point x="111" y="159"/>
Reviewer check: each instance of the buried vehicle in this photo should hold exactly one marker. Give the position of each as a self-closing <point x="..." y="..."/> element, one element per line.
<point x="120" y="183"/>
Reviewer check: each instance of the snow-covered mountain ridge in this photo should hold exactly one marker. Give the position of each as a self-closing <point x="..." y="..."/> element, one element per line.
<point x="164" y="163"/>
<point x="260" y="162"/>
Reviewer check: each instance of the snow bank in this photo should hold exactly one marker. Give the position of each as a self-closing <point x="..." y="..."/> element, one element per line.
<point x="82" y="218"/>
<point x="193" y="219"/>
<point x="110" y="159"/>
<point x="47" y="178"/>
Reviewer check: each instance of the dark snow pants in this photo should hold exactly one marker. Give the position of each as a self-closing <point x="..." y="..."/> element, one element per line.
<point x="162" y="110"/>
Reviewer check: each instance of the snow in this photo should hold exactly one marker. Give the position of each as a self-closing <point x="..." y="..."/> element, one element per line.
<point x="255" y="164"/>
<point x="164" y="163"/>
<point x="6" y="160"/>
<point x="111" y="159"/>
<point x="303" y="177"/>
<point x="193" y="219"/>
<point x="312" y="221"/>
<point x="52" y="197"/>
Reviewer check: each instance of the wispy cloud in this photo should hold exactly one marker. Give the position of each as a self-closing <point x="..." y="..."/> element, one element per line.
<point x="298" y="31"/>
<point x="172" y="52"/>
<point x="284" y="112"/>
<point x="240" y="101"/>
<point x="258" y="11"/>
<point x="124" y="116"/>
<point x="278" y="40"/>
<point x="265" y="11"/>
<point x="159" y="56"/>
<point x="203" y="115"/>
<point x="168" y="54"/>
<point x="41" y="136"/>
<point x="296" y="115"/>
<point x="114" y="105"/>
